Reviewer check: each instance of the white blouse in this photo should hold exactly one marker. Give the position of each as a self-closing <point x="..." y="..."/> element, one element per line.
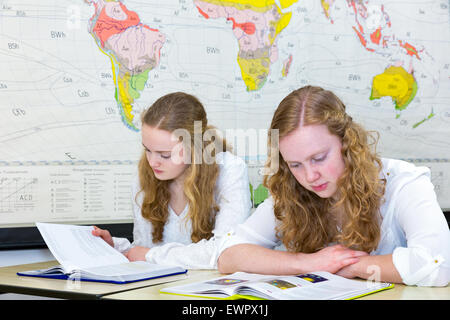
<point x="413" y="228"/>
<point x="233" y="197"/>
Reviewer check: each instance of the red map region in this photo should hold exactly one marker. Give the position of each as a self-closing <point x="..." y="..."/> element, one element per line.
<point x="376" y="36"/>
<point x="410" y="50"/>
<point x="106" y="26"/>
<point x="361" y="38"/>
<point x="247" y="27"/>
<point x="203" y="13"/>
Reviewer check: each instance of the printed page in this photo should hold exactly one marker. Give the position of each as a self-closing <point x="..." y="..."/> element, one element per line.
<point x="315" y="285"/>
<point x="277" y="287"/>
<point x="309" y="286"/>
<point x="220" y="287"/>
<point x="76" y="248"/>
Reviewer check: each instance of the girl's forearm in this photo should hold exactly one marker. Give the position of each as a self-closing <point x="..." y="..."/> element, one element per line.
<point x="256" y="259"/>
<point x="377" y="268"/>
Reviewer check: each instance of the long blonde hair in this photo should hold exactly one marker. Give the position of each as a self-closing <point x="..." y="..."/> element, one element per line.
<point x="174" y="111"/>
<point x="305" y="221"/>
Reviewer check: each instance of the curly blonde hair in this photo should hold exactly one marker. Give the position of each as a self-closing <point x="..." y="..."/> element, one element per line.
<point x="306" y="224"/>
<point x="171" y="112"/>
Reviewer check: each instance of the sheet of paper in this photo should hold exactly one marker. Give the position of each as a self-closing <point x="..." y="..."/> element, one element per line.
<point x="76" y="248"/>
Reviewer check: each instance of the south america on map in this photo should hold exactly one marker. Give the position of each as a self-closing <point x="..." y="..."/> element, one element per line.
<point x="134" y="50"/>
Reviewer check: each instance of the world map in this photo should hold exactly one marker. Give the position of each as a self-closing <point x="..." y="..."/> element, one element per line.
<point x="76" y="75"/>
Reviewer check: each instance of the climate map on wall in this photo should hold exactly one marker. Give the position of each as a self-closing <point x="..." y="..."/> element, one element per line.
<point x="76" y="75"/>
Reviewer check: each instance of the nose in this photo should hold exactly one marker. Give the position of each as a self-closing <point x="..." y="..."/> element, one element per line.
<point x="311" y="174"/>
<point x="153" y="160"/>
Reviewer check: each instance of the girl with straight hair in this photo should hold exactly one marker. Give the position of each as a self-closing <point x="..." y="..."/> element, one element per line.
<point x="187" y="193"/>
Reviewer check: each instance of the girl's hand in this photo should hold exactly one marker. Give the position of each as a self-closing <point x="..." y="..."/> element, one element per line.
<point x="348" y="271"/>
<point x="104" y="234"/>
<point x="334" y="258"/>
<point x="137" y="253"/>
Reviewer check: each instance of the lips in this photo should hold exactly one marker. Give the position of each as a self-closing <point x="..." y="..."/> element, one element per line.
<point x="320" y="187"/>
<point x="157" y="171"/>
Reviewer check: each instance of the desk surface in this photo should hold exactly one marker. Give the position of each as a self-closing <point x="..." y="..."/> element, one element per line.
<point x="10" y="282"/>
<point x="399" y="292"/>
<point x="149" y="290"/>
<point x="403" y="292"/>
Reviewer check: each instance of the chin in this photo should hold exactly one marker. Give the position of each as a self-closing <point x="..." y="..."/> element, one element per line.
<point x="324" y="194"/>
<point x="160" y="176"/>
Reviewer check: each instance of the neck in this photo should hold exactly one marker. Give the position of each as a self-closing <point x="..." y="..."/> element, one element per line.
<point x="177" y="184"/>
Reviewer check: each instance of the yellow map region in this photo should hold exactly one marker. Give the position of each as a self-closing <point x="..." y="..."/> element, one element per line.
<point x="254" y="5"/>
<point x="125" y="98"/>
<point x="122" y="91"/>
<point x="397" y="83"/>
<point x="287" y="3"/>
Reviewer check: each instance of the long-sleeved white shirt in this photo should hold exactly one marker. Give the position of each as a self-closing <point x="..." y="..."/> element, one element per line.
<point x="413" y="227"/>
<point x="233" y="197"/>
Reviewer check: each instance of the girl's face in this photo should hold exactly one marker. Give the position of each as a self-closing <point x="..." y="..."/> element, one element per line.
<point x="164" y="153"/>
<point x="314" y="157"/>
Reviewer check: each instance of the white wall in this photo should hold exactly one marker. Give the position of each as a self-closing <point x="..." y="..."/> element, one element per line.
<point x="14" y="257"/>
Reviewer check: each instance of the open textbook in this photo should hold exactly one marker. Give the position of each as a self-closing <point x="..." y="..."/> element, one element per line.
<point x="310" y="286"/>
<point x="83" y="256"/>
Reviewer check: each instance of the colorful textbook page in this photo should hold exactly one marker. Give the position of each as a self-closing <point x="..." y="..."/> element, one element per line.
<point x="311" y="286"/>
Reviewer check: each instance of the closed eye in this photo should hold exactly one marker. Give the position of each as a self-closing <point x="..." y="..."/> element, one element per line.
<point x="320" y="158"/>
<point x="294" y="165"/>
<point x="313" y="160"/>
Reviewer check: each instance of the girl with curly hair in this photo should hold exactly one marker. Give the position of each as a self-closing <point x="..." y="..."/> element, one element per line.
<point x="188" y="190"/>
<point x="336" y="206"/>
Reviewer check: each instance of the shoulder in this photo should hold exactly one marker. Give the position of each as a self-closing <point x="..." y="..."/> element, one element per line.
<point x="406" y="182"/>
<point x="261" y="225"/>
<point x="233" y="174"/>
<point x="229" y="162"/>
<point x="399" y="172"/>
<point x="267" y="206"/>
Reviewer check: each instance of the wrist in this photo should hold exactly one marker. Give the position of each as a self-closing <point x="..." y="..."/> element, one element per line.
<point x="303" y="263"/>
<point x="358" y="269"/>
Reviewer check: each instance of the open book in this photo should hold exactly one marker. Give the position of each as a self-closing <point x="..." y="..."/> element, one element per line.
<point x="86" y="257"/>
<point x="312" y="286"/>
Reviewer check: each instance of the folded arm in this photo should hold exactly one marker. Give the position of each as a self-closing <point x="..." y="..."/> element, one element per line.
<point x="376" y="268"/>
<point x="258" y="259"/>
